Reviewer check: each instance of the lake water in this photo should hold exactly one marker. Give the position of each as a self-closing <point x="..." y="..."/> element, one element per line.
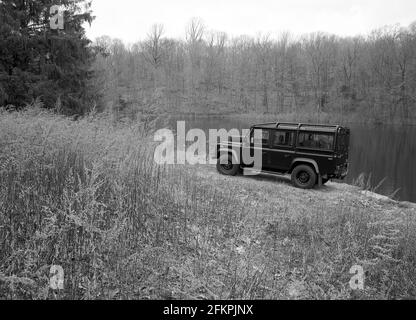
<point x="386" y="152"/>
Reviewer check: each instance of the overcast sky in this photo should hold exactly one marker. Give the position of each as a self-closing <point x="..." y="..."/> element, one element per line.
<point x="130" y="20"/>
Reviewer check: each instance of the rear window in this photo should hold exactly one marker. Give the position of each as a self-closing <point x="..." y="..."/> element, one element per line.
<point x="323" y="141"/>
<point x="343" y="141"/>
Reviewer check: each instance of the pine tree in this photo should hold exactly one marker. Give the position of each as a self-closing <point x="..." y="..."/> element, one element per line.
<point x="37" y="61"/>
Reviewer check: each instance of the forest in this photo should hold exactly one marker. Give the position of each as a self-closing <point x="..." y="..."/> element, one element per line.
<point x="369" y="77"/>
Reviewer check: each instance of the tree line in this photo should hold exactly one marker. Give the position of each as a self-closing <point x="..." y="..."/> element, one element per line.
<point x="209" y="72"/>
<point x="372" y="76"/>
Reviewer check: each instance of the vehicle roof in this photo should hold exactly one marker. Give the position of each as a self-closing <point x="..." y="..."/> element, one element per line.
<point x="300" y="126"/>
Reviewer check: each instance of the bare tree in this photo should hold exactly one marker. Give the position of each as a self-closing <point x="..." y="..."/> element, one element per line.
<point x="263" y="52"/>
<point x="152" y="49"/>
<point x="153" y="52"/>
<point x="280" y="56"/>
<point x="194" y="37"/>
<point x="195" y="31"/>
<point x="406" y="48"/>
<point x="320" y="52"/>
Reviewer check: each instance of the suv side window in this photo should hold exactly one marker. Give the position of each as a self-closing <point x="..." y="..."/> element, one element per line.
<point x="323" y="141"/>
<point x="282" y="138"/>
<point x="265" y="137"/>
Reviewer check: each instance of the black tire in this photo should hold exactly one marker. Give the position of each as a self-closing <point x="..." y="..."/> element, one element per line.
<point x="304" y="177"/>
<point x="226" y="166"/>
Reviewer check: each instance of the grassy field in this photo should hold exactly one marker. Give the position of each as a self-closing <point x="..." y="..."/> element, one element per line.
<point x="88" y="196"/>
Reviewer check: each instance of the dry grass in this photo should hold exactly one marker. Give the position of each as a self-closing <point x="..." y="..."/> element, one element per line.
<point x="87" y="196"/>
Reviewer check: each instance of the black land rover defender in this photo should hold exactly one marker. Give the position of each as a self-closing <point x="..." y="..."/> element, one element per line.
<point x="312" y="154"/>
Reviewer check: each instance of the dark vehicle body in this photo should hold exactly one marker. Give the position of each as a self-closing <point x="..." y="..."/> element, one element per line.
<point x="312" y="154"/>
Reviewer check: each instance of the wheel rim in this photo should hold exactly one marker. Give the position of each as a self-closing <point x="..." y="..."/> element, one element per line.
<point x="303" y="177"/>
<point x="227" y="166"/>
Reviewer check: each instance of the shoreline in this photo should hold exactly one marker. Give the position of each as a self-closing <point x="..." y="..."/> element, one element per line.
<point x="292" y="117"/>
<point x="338" y="184"/>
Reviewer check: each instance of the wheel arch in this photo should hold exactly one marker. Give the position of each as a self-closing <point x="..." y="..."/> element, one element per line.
<point x="310" y="162"/>
<point x="231" y="152"/>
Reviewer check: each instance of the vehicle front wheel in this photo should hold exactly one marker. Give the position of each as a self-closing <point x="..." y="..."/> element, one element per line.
<point x="226" y="166"/>
<point x="304" y="177"/>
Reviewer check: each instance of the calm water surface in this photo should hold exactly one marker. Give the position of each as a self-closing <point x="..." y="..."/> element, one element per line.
<point x="385" y="152"/>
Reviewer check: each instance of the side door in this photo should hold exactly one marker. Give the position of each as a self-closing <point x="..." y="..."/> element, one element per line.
<point x="282" y="149"/>
<point x="318" y="146"/>
<point x="262" y="145"/>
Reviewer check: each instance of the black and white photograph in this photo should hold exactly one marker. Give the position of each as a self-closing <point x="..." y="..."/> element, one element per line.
<point x="224" y="152"/>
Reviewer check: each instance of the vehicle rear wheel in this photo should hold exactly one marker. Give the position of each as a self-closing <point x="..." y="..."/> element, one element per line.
<point x="304" y="177"/>
<point x="226" y="166"/>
